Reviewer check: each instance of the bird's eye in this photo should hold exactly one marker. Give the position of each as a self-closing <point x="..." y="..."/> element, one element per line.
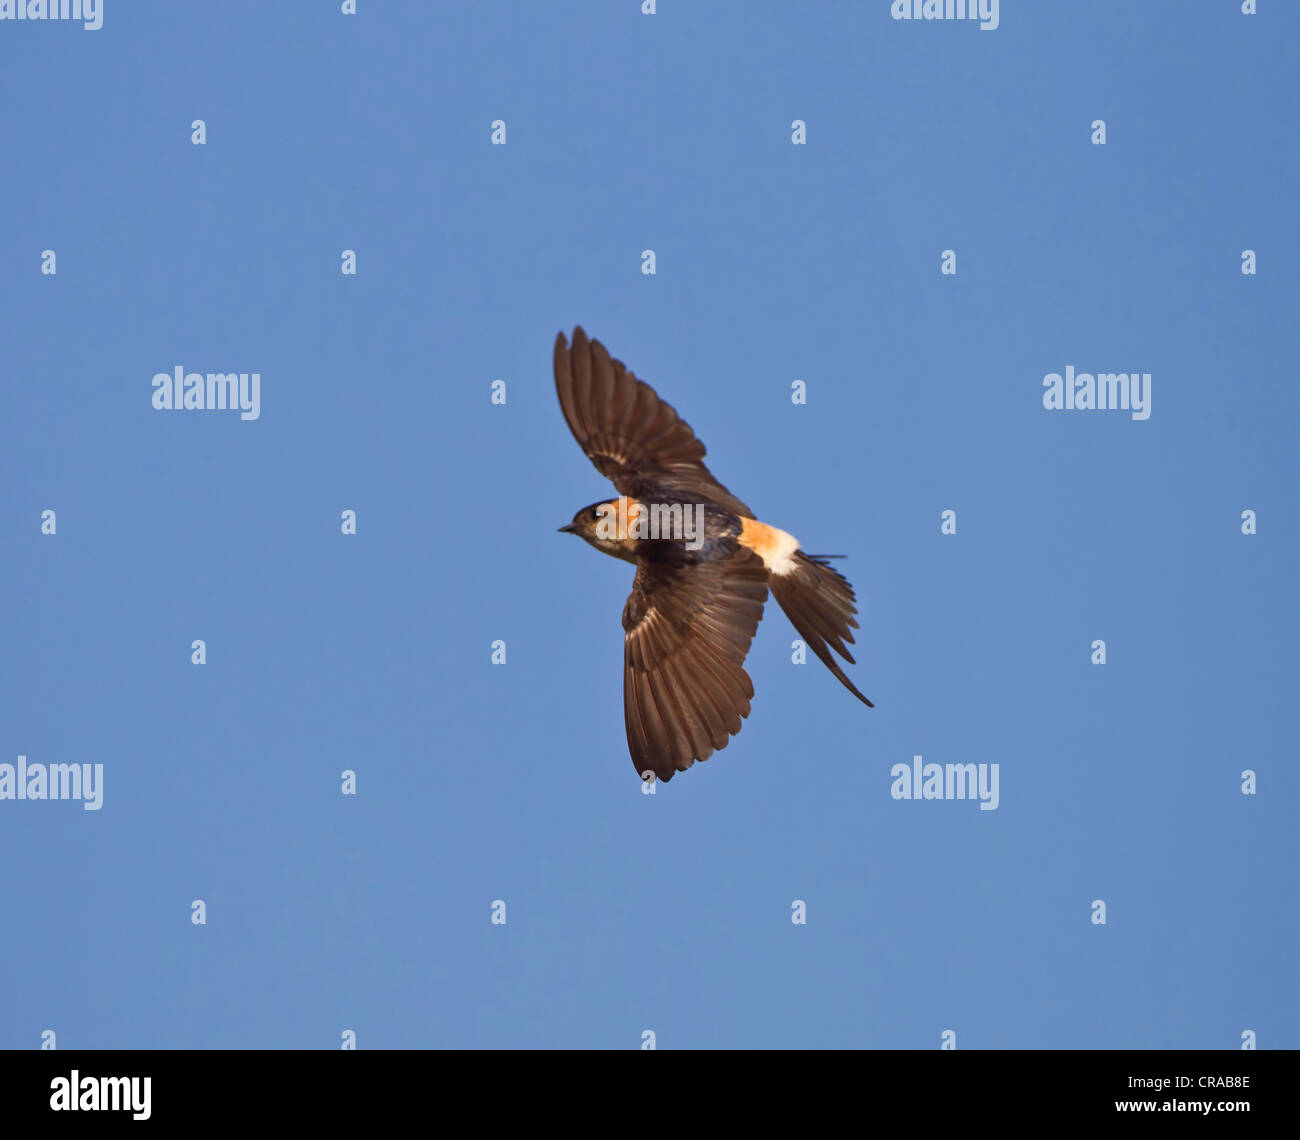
<point x="595" y="514"/>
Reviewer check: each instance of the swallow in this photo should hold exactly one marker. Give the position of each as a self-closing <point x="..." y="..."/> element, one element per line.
<point x="704" y="566"/>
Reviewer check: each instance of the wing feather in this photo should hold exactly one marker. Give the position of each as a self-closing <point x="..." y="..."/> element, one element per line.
<point x="633" y="437"/>
<point x="688" y="628"/>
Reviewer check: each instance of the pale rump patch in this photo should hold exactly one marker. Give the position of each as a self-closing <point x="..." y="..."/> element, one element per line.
<point x="774" y="547"/>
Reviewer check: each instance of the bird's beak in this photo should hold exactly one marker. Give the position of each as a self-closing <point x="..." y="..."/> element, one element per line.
<point x="568" y="528"/>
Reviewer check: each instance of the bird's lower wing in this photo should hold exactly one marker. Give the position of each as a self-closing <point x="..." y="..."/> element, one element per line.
<point x="687" y="631"/>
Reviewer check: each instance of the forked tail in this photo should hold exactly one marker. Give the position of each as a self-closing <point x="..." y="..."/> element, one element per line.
<point x="819" y="603"/>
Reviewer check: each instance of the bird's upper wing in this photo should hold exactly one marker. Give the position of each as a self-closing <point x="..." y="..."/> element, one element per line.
<point x="687" y="630"/>
<point x="630" y="434"/>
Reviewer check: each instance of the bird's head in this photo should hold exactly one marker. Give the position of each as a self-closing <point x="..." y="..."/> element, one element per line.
<point x="605" y="526"/>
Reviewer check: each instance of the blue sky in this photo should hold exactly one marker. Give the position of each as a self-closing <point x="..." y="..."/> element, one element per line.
<point x="774" y="262"/>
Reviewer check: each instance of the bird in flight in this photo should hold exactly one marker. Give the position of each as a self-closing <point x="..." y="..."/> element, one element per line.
<point x="704" y="566"/>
